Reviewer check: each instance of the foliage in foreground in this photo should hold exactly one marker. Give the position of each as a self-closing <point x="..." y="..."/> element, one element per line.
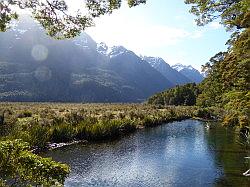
<point x="55" y="16"/>
<point x="228" y="79"/>
<point x="20" y="167"/>
<point x="228" y="82"/>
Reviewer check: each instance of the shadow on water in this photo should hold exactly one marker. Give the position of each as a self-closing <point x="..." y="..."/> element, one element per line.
<point x="176" y="154"/>
<point x="229" y="153"/>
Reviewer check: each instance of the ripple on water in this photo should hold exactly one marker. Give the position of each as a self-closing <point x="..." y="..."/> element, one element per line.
<point x="175" y="154"/>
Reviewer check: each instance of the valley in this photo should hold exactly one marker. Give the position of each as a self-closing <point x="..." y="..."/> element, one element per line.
<point x="35" y="67"/>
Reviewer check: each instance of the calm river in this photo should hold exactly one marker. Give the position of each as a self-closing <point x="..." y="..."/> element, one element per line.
<point x="176" y="154"/>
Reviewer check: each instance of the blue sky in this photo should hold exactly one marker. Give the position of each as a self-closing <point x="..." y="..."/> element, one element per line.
<point x="162" y="28"/>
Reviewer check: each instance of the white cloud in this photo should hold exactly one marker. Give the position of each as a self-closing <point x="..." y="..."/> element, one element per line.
<point x="197" y="34"/>
<point x="135" y="35"/>
<point x="215" y="25"/>
<point x="76" y="6"/>
<point x="140" y="35"/>
<point x="180" y="57"/>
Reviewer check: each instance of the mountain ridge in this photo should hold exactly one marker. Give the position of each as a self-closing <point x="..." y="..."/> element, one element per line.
<point x="166" y="70"/>
<point x="35" y="67"/>
<point x="189" y="71"/>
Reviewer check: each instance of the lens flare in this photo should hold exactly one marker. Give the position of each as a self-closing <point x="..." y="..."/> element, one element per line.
<point x="39" y="52"/>
<point x="43" y="73"/>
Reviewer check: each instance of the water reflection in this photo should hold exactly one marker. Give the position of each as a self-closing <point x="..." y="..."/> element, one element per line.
<point x="229" y="155"/>
<point x="177" y="154"/>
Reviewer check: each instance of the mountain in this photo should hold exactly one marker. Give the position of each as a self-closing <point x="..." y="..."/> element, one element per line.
<point x="204" y="74"/>
<point x="193" y="74"/>
<point x="167" y="71"/>
<point x="35" y="67"/>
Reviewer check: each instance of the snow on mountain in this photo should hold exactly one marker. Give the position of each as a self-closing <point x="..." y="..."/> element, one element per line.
<point x="102" y="48"/>
<point x="82" y="42"/>
<point x="180" y="67"/>
<point x="85" y="41"/>
<point x="165" y="69"/>
<point x="155" y="61"/>
<point x="189" y="71"/>
<point x="116" y="51"/>
<point x="111" y="52"/>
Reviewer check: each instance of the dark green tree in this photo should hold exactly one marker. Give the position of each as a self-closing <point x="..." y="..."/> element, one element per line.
<point x="180" y="95"/>
<point x="233" y="14"/>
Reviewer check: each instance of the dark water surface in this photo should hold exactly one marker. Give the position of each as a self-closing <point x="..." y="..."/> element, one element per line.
<point x="175" y="154"/>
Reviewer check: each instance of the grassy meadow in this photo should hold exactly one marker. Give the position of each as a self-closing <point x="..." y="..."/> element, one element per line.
<point x="40" y="124"/>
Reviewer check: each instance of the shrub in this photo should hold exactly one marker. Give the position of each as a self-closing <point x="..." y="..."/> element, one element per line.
<point x="19" y="167"/>
<point x="203" y="113"/>
<point x="244" y="121"/>
<point x="25" y="114"/>
<point x="148" y="121"/>
<point x="74" y="118"/>
<point x="230" y="119"/>
<point x="63" y="133"/>
<point x="39" y="135"/>
<point x="127" y="126"/>
<point x="81" y="130"/>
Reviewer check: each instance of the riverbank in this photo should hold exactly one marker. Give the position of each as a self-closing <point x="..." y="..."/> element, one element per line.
<point x="51" y="125"/>
<point x="45" y="125"/>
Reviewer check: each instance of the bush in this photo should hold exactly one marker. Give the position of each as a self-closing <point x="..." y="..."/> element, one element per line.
<point x="203" y="113"/>
<point x="127" y="126"/>
<point x="25" y="114"/>
<point x="244" y="121"/>
<point x="74" y="118"/>
<point x="230" y="120"/>
<point x="81" y="130"/>
<point x="63" y="133"/>
<point x="19" y="167"/>
<point x="39" y="135"/>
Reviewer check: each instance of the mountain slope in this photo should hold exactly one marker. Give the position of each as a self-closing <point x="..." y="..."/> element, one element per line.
<point x="137" y="72"/>
<point x="35" y="67"/>
<point x="165" y="69"/>
<point x="193" y="74"/>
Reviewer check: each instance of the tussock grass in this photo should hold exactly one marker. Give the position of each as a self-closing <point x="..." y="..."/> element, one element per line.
<point x="42" y="123"/>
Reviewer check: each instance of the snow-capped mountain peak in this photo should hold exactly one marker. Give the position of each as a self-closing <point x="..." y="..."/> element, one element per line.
<point x="102" y="48"/>
<point x="165" y="69"/>
<point x="189" y="71"/>
<point x="154" y="61"/>
<point x="116" y="50"/>
<point x="82" y="42"/>
<point x="180" y="67"/>
<point x="111" y="51"/>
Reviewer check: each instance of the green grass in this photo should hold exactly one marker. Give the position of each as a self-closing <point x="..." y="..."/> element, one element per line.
<point x="42" y="123"/>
